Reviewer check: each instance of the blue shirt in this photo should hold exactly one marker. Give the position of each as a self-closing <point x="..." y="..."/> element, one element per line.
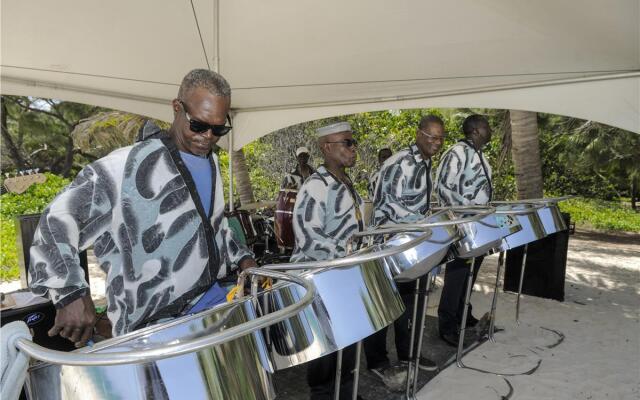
<point x="200" y="169"/>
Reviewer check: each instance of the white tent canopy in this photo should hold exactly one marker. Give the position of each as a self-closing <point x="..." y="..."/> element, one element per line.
<point x="290" y="61"/>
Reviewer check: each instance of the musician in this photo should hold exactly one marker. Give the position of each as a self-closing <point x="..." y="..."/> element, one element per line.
<point x="383" y="154"/>
<point x="463" y="178"/>
<point x="403" y="195"/>
<point x="328" y="210"/>
<point x="154" y="213"/>
<point x="295" y="178"/>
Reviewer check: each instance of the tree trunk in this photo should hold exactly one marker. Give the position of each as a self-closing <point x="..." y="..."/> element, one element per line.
<point x="241" y="173"/>
<point x="68" y="158"/>
<point x="525" y="150"/>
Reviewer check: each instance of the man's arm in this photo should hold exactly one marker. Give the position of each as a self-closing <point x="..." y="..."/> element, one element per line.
<point x="70" y="223"/>
<point x="238" y="253"/>
<point x="388" y="200"/>
<point x="449" y="186"/>
<point x="309" y="224"/>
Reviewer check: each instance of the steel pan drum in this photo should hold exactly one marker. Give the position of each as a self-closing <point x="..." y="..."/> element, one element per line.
<point x="284" y="218"/>
<point x="527" y="216"/>
<point x="233" y="370"/>
<point x="551" y="217"/>
<point x="353" y="302"/>
<point x="483" y="235"/>
<point x="418" y="261"/>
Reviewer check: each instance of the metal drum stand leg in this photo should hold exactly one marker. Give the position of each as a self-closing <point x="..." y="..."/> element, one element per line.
<point x="524" y="264"/>
<point x="356" y="373"/>
<point x="416" y="368"/>
<point x="463" y="325"/>
<point x="410" y="365"/>
<point x="494" y="301"/>
<point x="336" y="382"/>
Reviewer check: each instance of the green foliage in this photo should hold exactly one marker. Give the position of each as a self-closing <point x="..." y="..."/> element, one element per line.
<point x="601" y="214"/>
<point x="588" y="159"/>
<point x="41" y="129"/>
<point x="8" y="251"/>
<point x="33" y="201"/>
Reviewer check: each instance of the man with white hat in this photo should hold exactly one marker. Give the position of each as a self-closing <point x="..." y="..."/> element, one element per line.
<point x="327" y="212"/>
<point x="295" y="178"/>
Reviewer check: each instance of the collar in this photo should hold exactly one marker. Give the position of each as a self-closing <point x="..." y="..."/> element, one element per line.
<point x="417" y="154"/>
<point x="469" y="143"/>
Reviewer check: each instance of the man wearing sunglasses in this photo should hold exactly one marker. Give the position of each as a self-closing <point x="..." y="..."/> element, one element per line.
<point x="154" y="213"/>
<point x="403" y="195"/>
<point x="327" y="212"/>
<point x="462" y="162"/>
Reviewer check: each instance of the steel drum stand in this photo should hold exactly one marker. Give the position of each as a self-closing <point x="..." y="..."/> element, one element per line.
<point x="494" y="301"/>
<point x="414" y="359"/>
<point x="463" y="325"/>
<point x="524" y="264"/>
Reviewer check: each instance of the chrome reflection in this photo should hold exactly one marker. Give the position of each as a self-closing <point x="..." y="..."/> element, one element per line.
<point x="529" y="220"/>
<point x="418" y="261"/>
<point x="352" y="303"/>
<point x="237" y="369"/>
<point x="483" y="236"/>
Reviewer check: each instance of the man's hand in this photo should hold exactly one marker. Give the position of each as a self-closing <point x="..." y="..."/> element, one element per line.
<point x="248" y="263"/>
<point x="75" y="321"/>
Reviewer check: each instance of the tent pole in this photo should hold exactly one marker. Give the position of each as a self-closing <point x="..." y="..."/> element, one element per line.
<point x="231" y="171"/>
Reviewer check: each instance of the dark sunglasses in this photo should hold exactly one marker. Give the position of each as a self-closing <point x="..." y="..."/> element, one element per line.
<point x="347" y="142"/>
<point x="202" y="127"/>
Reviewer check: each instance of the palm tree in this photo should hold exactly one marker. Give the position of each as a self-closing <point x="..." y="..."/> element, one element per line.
<point x="525" y="151"/>
<point x="611" y="153"/>
<point x="243" y="182"/>
<point x="104" y="132"/>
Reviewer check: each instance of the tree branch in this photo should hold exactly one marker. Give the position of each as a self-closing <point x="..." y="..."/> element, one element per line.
<point x="55" y="115"/>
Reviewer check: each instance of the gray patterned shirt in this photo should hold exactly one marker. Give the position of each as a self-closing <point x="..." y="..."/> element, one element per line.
<point x="404" y="189"/>
<point x="138" y="206"/>
<point x="464" y="176"/>
<point x="327" y="212"/>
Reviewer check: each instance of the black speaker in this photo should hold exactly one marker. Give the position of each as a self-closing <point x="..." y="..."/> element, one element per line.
<point x="545" y="271"/>
<point x="39" y="318"/>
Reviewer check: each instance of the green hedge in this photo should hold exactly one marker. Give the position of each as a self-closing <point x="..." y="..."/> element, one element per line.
<point x="34" y="200"/>
<point x="602" y="215"/>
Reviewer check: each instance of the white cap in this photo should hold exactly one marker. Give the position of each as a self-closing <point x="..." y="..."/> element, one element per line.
<point x="301" y="150"/>
<point x="333" y="128"/>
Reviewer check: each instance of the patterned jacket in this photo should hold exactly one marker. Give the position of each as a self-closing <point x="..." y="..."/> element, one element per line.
<point x="294" y="179"/>
<point x="464" y="176"/>
<point x="404" y="190"/>
<point x="371" y="185"/>
<point x="139" y="207"/>
<point x="325" y="215"/>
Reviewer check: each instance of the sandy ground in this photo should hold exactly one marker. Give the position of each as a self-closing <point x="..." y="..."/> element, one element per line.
<point x="587" y="347"/>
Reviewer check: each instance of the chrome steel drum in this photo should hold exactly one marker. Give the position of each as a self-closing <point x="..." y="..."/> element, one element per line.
<point x="483" y="235"/>
<point x="551" y="217"/>
<point x="418" y="261"/>
<point x="353" y="302"/>
<point x="527" y="216"/>
<point x="237" y="369"/>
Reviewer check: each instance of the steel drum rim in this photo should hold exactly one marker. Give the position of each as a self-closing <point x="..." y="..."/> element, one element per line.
<point x="174" y="350"/>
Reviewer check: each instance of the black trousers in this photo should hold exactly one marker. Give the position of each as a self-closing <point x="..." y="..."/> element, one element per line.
<point x="321" y="374"/>
<point x="375" y="346"/>
<point x="453" y="292"/>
